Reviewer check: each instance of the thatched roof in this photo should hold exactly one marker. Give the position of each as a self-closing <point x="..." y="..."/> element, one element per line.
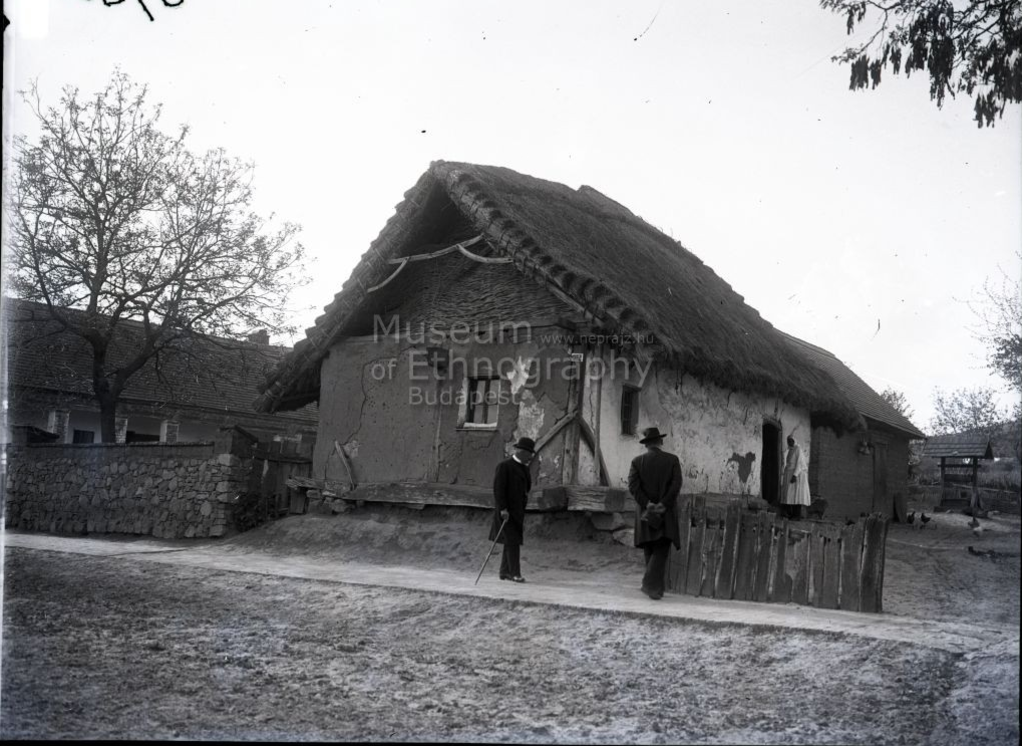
<point x="867" y="401"/>
<point x="959" y="445"/>
<point x="630" y="276"/>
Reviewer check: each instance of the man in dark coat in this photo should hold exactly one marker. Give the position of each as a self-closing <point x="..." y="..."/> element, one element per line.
<point x="511" y="485"/>
<point x="655" y="477"/>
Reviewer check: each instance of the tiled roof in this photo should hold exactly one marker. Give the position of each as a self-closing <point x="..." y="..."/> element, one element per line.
<point x="867" y="401"/>
<point x="960" y="445"/>
<point x="213" y="375"/>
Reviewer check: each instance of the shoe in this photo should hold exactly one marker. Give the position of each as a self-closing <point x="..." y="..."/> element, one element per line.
<point x="654" y="596"/>
<point x="505" y="577"/>
<point x="518" y="579"/>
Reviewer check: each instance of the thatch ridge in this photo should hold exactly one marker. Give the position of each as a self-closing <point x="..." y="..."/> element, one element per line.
<point x="622" y="270"/>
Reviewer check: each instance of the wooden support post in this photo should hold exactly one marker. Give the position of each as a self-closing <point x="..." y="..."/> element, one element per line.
<point x="597" y="407"/>
<point x="573" y="437"/>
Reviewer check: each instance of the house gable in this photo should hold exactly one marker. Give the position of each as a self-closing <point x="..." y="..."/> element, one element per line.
<point x="600" y="259"/>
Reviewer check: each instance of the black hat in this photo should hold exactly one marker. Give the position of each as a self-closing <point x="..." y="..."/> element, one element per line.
<point x="526" y="444"/>
<point x="650" y="434"/>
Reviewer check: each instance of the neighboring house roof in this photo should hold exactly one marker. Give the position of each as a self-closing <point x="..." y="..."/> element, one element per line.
<point x="215" y="375"/>
<point x="867" y="401"/>
<point x="584" y="245"/>
<point x="960" y="445"/>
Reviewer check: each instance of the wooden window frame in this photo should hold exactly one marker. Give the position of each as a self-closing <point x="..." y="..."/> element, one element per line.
<point x="472" y="384"/>
<point x="629" y="402"/>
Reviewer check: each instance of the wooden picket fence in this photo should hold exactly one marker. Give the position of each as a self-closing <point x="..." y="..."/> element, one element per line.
<point x="731" y="553"/>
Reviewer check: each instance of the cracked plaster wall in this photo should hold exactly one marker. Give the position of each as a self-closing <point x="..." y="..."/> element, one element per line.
<point x="717" y="434"/>
<point x="390" y="434"/>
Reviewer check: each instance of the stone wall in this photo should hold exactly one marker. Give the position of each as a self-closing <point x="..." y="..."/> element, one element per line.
<point x="167" y="491"/>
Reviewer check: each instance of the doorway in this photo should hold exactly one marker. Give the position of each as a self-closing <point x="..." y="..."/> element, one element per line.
<point x="770" y="465"/>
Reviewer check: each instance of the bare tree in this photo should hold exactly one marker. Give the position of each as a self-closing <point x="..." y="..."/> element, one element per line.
<point x="970" y="47"/>
<point x="112" y="219"/>
<point x="964" y="409"/>
<point x="897" y="400"/>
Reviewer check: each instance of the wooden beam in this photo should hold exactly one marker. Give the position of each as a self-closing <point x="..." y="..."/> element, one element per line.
<point x="347" y="465"/>
<point x="430" y="493"/>
<point x="554" y="429"/>
<point x="439" y="253"/>
<point x="590" y="438"/>
<point x="599" y="499"/>
<point x="402" y="261"/>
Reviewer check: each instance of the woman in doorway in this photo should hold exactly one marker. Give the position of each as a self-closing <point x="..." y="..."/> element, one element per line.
<point x="795" y="483"/>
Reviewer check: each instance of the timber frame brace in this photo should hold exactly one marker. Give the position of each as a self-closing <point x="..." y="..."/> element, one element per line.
<point x="462" y="247"/>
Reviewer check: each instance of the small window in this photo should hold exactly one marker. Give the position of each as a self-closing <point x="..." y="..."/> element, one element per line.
<point x="629" y="410"/>
<point x="133" y="437"/>
<point x="483" y="401"/>
<point x="83" y="436"/>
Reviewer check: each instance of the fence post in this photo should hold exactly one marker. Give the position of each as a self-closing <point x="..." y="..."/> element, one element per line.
<point x="873" y="563"/>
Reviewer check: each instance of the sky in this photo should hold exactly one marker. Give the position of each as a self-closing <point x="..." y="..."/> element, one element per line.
<point x="861" y="221"/>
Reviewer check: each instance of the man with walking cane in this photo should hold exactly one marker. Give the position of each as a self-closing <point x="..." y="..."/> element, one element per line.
<point x="511" y="485"/>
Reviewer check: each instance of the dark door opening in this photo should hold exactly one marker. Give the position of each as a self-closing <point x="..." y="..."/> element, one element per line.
<point x="770" y="465"/>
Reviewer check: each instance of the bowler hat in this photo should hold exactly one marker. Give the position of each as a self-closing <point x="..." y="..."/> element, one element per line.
<point x="650" y="434"/>
<point x="526" y="444"/>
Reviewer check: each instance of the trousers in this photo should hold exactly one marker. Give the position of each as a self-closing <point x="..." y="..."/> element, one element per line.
<point x="510" y="561"/>
<point x="656" y="553"/>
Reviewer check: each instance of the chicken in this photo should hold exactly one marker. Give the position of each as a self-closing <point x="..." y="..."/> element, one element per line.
<point x="973" y="523"/>
<point x="977" y="530"/>
<point x="925" y="518"/>
<point x="911" y="518"/>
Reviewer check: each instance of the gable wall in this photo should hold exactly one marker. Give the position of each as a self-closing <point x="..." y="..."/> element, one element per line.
<point x="398" y="422"/>
<point x="455" y="289"/>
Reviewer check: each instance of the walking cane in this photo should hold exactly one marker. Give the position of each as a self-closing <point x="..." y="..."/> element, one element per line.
<point x="494" y="544"/>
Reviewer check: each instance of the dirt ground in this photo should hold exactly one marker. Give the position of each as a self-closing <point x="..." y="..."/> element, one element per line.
<point x="930" y="573"/>
<point x="98" y="647"/>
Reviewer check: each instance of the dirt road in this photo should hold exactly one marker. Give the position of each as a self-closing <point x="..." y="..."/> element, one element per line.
<point x="280" y="634"/>
<point x="149" y="650"/>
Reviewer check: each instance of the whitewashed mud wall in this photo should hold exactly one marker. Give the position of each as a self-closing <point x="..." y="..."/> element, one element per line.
<point x="717" y="434"/>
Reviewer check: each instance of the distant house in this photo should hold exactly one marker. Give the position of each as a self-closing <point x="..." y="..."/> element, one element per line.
<point x="471" y="318"/>
<point x="182" y="397"/>
<point x="862" y="471"/>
